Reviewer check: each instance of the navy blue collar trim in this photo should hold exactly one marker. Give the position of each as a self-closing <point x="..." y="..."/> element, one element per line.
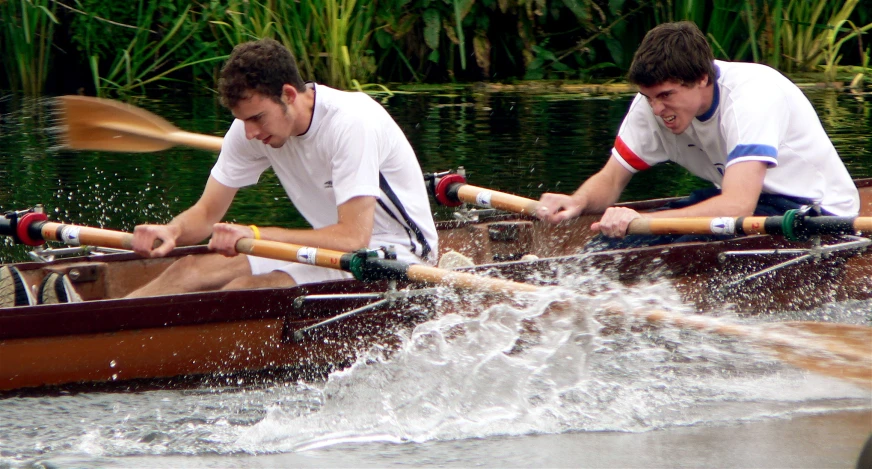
<point x="716" y="98"/>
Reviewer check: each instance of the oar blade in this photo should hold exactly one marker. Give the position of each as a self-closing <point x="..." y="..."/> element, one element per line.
<point x="103" y="125"/>
<point x="851" y="368"/>
<point x="839" y="350"/>
<point x="859" y="337"/>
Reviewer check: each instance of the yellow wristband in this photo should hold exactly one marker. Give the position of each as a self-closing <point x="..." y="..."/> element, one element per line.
<point x="256" y="231"/>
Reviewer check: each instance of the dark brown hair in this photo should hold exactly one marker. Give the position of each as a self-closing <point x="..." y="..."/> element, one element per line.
<point x="672" y="51"/>
<point x="262" y="67"/>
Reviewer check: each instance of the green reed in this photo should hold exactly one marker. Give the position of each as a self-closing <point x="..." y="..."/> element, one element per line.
<point x="809" y="32"/>
<point x="329" y="38"/>
<point x="27" y="32"/>
<point x="791" y="35"/>
<point x="149" y="57"/>
<point x="833" y="45"/>
<point x="863" y="70"/>
<point x="345" y="43"/>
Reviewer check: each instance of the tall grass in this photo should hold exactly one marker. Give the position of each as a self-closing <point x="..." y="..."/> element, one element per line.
<point x="832" y="49"/>
<point x="791" y="35"/>
<point x="345" y="43"/>
<point x="809" y="29"/>
<point x="330" y="38"/>
<point x="147" y="59"/>
<point x="27" y="32"/>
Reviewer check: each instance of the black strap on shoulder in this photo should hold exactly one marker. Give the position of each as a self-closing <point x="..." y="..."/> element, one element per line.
<point x="386" y="188"/>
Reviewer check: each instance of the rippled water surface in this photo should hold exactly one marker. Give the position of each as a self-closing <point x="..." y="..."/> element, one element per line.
<point x="588" y="391"/>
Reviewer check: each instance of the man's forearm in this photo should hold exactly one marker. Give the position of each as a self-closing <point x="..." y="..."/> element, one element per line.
<point x="718" y="206"/>
<point x="191" y="226"/>
<point x="334" y="237"/>
<point x="597" y="194"/>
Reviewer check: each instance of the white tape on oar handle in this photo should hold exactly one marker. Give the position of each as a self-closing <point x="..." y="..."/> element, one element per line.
<point x="70" y="235"/>
<point x="306" y="255"/>
<point x="483" y="198"/>
<point x="723" y="225"/>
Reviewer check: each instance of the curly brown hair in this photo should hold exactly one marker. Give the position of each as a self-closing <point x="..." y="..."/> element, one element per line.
<point x="672" y="52"/>
<point x="262" y="67"/>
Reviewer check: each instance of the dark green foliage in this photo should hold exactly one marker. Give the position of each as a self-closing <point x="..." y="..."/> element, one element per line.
<point x="130" y="47"/>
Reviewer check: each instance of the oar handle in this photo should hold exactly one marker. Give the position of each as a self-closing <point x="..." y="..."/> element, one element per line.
<point x="495" y="199"/>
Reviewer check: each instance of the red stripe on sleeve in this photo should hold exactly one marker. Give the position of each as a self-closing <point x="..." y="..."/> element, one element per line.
<point x="631" y="158"/>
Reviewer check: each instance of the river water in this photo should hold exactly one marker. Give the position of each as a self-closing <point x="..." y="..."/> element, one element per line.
<point x="451" y="395"/>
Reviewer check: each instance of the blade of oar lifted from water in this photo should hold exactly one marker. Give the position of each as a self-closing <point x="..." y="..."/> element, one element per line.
<point x="101" y="124"/>
<point x="452" y="190"/>
<point x="840" y="350"/>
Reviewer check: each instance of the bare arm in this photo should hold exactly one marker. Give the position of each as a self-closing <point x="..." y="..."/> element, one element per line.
<point x="189" y="227"/>
<point x="740" y="192"/>
<point x="353" y="231"/>
<point x="599" y="192"/>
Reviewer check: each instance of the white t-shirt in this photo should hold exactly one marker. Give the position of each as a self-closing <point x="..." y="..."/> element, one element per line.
<point x="757" y="115"/>
<point x="351" y="140"/>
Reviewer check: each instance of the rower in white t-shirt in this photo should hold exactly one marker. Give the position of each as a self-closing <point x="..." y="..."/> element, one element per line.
<point x="744" y="127"/>
<point x="352" y="148"/>
<point x="345" y="164"/>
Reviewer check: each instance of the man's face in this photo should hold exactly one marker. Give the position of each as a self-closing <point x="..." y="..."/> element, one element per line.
<point x="266" y="120"/>
<point x="677" y="104"/>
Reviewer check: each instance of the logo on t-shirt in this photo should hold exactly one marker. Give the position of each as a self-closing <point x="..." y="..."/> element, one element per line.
<point x="720" y="168"/>
<point x="328" y="185"/>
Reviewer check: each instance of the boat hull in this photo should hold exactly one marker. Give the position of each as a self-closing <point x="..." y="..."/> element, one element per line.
<point x="109" y="339"/>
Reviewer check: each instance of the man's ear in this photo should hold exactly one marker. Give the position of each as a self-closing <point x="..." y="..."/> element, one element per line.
<point x="289" y="94"/>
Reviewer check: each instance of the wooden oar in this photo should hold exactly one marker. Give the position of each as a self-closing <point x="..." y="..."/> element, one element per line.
<point x="498" y="200"/>
<point x="776" y="225"/>
<point x="100" y="124"/>
<point x="82" y="235"/>
<point x="840" y="350"/>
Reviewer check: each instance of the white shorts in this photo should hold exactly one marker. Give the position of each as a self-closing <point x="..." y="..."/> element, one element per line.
<point x="301" y="273"/>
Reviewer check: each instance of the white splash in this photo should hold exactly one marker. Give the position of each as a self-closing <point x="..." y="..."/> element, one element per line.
<point x="551" y="366"/>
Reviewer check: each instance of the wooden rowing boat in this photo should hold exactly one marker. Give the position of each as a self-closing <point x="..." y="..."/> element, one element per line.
<point x="314" y="328"/>
<point x="111" y="339"/>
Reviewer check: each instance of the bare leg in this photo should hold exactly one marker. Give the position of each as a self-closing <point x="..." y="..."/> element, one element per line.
<point x="268" y="280"/>
<point x="196" y="273"/>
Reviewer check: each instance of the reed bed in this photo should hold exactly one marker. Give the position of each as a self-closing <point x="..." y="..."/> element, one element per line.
<point x="353" y="44"/>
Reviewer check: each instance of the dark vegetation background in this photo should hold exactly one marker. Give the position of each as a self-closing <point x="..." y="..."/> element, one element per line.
<point x="128" y="49"/>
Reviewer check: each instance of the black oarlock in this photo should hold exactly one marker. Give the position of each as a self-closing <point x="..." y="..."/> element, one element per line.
<point x="367" y="266"/>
